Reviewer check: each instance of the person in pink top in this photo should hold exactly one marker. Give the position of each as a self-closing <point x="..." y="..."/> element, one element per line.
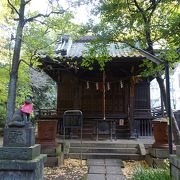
<point x="27" y="109"/>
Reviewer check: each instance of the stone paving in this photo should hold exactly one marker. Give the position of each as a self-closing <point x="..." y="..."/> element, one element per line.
<point x="105" y="169"/>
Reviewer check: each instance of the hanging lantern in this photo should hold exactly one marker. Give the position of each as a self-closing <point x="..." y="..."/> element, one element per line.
<point x="87" y="85"/>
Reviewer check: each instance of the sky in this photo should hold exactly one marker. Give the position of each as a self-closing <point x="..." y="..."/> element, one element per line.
<point x="81" y="14"/>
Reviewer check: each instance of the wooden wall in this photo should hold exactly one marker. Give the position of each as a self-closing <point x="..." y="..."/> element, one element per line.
<point x="142" y="95"/>
<point x="74" y="94"/>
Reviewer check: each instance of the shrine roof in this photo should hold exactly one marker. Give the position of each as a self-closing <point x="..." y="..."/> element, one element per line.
<point x="77" y="49"/>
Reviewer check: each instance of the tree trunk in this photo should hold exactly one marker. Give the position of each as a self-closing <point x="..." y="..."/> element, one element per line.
<point x="175" y="127"/>
<point x="15" y="65"/>
<point x="131" y="108"/>
<point x="162" y="89"/>
<point x="160" y="81"/>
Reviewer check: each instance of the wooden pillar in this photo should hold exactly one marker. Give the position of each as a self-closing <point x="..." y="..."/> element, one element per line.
<point x="77" y="94"/>
<point x="58" y="92"/>
<point x="104" y="96"/>
<point x="131" y="108"/>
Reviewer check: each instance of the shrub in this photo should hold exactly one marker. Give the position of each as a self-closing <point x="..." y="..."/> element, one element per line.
<point x="151" y="174"/>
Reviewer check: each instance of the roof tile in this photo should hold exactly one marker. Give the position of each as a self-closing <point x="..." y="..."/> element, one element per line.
<point x="78" y="48"/>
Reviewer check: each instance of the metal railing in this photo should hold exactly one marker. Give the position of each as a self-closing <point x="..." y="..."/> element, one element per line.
<point x="143" y="122"/>
<point x="73" y="119"/>
<point x="158" y="112"/>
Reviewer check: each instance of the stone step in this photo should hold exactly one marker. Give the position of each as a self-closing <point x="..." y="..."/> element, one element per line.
<point x="105" y="156"/>
<point x="105" y="162"/>
<point x="105" y="177"/>
<point x="91" y="135"/>
<point x="99" y="144"/>
<point x="103" y="150"/>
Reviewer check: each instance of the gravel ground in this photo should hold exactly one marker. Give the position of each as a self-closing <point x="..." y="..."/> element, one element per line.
<point x="72" y="170"/>
<point x="131" y="166"/>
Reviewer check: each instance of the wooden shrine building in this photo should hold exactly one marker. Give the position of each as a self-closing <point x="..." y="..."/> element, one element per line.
<point x="115" y="100"/>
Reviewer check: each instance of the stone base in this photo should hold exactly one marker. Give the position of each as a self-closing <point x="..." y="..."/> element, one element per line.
<point x="20" y="153"/>
<point x="175" y="164"/>
<point x="55" y="156"/>
<point x="51" y="150"/>
<point x="178" y="150"/>
<point x="155" y="162"/>
<point x="162" y="145"/>
<point x="159" y="153"/>
<point x="54" y="161"/>
<point x="21" y="169"/>
<point x="19" y="137"/>
<point x="156" y="157"/>
<point x="175" y="167"/>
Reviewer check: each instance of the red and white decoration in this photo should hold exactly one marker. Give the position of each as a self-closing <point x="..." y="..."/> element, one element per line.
<point x="108" y="86"/>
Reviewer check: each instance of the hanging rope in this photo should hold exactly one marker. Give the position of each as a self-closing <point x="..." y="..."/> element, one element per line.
<point x="110" y="82"/>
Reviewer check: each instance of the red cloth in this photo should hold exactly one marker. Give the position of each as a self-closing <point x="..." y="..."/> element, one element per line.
<point x="27" y="108"/>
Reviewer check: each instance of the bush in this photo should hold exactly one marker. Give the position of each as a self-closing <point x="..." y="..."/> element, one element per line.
<point x="2" y="115"/>
<point x="151" y="174"/>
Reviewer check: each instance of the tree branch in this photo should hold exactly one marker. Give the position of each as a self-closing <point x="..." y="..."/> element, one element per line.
<point x="27" y="2"/>
<point x="16" y="19"/>
<point x="21" y="60"/>
<point x="153" y="8"/>
<point x="154" y="3"/>
<point x="43" y="15"/>
<point x="138" y="7"/>
<point x="131" y="10"/>
<point x="13" y="7"/>
<point x="41" y="22"/>
<point x="140" y="10"/>
<point x="36" y="16"/>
